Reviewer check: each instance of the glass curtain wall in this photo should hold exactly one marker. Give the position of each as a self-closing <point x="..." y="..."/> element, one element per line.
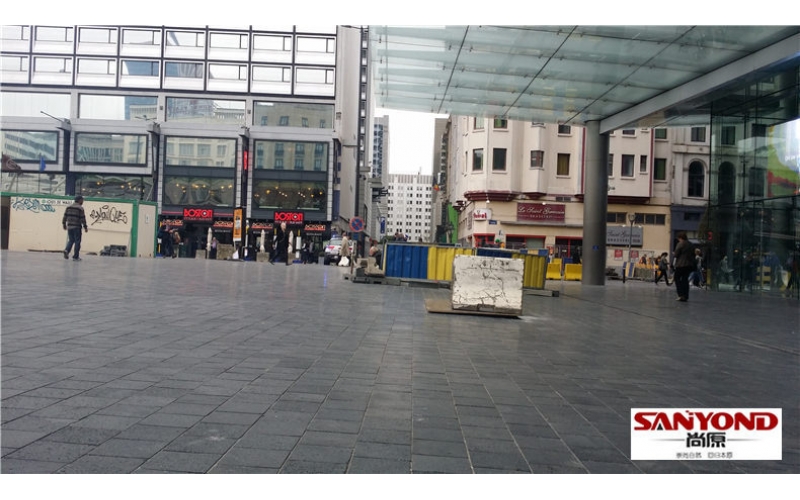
<point x="753" y="221"/>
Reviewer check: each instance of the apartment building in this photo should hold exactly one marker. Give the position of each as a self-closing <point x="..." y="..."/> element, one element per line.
<point x="409" y="207"/>
<point x="521" y="184"/>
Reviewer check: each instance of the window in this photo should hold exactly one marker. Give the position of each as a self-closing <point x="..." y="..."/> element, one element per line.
<point x="183" y="70"/>
<point x="141" y="37"/>
<point x="616" y="217"/>
<point x="627" y="165"/>
<point x="697" y="179"/>
<point x="298" y="163"/>
<point x="205" y="111"/>
<point x="113" y="186"/>
<point x="698" y="134"/>
<point x="228" y="41"/>
<point x="299" y="148"/>
<point x="284" y="121"/>
<point x="500" y="123"/>
<point x="562" y="167"/>
<point x="728" y="137"/>
<point x="477" y="159"/>
<point x="29" y="146"/>
<point x="186" y="39"/>
<point x="498" y="159"/>
<point x="564" y="129"/>
<point x="278" y="149"/>
<point x="660" y="169"/>
<point x="661" y="134"/>
<point x="755" y="182"/>
<point x="110" y="148"/>
<point x="610" y="167"/>
<point x="304" y="122"/>
<point x="478" y="123"/>
<point x="195" y="151"/>
<point x="278" y="163"/>
<point x="629" y="131"/>
<point x="132" y="67"/>
<point x="180" y="190"/>
<point x="54" y="34"/>
<point x="537" y="159"/>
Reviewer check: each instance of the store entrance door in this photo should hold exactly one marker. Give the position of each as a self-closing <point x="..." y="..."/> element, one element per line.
<point x="195" y="236"/>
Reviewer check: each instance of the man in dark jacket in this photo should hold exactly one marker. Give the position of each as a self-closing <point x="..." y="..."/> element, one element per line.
<point x="683" y="256"/>
<point x="74" y="218"/>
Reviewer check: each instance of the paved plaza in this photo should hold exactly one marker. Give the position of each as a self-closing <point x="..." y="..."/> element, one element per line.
<point x="124" y="365"/>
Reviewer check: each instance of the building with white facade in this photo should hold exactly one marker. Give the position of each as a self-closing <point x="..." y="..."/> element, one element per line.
<point x="521" y="184"/>
<point x="410" y="200"/>
<point x="269" y="120"/>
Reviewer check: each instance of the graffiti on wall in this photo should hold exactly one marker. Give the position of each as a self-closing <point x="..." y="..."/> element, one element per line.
<point x="34" y="205"/>
<point x="108" y="213"/>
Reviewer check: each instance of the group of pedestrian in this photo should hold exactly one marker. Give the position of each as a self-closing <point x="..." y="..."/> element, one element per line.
<point x="170" y="241"/>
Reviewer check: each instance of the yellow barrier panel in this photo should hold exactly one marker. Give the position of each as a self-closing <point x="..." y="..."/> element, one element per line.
<point x="534" y="271"/>
<point x="572" y="272"/>
<point x="553" y="271"/>
<point x="440" y="261"/>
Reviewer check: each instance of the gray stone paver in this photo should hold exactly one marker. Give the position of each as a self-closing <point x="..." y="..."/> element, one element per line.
<point x="246" y="368"/>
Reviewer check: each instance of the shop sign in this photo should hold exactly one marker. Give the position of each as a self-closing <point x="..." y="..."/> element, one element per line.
<point x="173" y="222"/>
<point x="290" y="218"/>
<point x="237" y="224"/>
<point x="261" y="226"/>
<point x="198" y="214"/>
<point x="223" y="224"/>
<point x="617" y="254"/>
<point x="624" y="236"/>
<point x="314" y="228"/>
<point x="482" y="214"/>
<point x="541" y="212"/>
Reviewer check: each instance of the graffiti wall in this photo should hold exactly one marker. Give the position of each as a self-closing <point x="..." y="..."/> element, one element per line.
<point x="35" y="224"/>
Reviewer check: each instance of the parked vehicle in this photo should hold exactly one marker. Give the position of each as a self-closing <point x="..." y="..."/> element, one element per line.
<point x="333" y="249"/>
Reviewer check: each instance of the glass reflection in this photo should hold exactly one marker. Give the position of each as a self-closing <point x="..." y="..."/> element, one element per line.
<point x="130" y="187"/>
<point x="279" y="114"/>
<point x="287" y="195"/>
<point x="27" y="146"/>
<point x="179" y="190"/>
<point x="118" y="149"/>
<point x="201" y="152"/>
<point x="205" y="111"/>
<point x="108" y="107"/>
<point x="290" y="155"/>
<point x="33" y="183"/>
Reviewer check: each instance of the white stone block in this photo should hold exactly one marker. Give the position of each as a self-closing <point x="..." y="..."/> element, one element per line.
<point x="487" y="284"/>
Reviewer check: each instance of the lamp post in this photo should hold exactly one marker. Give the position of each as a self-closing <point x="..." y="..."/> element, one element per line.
<point x="631" y="219"/>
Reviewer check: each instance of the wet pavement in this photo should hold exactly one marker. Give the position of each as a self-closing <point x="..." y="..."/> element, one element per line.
<point x="120" y="365"/>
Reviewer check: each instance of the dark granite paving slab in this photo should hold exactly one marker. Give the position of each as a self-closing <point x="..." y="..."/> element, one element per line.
<point x="218" y="383"/>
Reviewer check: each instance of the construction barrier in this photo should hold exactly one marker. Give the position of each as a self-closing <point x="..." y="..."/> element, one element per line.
<point x="435" y="263"/>
<point x="572" y="272"/>
<point x="553" y="271"/>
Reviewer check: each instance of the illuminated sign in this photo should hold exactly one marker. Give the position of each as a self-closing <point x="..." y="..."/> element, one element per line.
<point x="314" y="228"/>
<point x="198" y="214"/>
<point x="259" y="226"/>
<point x="289" y="217"/>
<point x="223" y="224"/>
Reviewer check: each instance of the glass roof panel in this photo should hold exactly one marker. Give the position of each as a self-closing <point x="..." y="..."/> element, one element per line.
<point x="564" y="72"/>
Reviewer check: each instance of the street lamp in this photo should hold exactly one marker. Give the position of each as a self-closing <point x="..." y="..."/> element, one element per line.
<point x="631" y="219"/>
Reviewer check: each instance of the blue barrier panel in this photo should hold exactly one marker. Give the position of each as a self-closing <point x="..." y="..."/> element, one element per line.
<point x="405" y="260"/>
<point x="494" y="252"/>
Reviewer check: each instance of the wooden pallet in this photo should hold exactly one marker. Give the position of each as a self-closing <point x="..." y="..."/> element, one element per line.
<point x="446" y="306"/>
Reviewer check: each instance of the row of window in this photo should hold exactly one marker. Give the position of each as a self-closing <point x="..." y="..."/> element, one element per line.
<point x="641" y="219"/>
<point x="195" y="44"/>
<point x="210" y="111"/>
<point x="155" y="74"/>
<point x="698" y="134"/>
<point x="132" y="150"/>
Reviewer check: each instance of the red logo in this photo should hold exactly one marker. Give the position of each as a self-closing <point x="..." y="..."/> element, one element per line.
<point x="703" y="421"/>
<point x="289" y="217"/>
<point x="198" y="213"/>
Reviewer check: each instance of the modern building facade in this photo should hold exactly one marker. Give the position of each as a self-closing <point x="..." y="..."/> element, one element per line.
<point x="410" y="201"/>
<point x="203" y="120"/>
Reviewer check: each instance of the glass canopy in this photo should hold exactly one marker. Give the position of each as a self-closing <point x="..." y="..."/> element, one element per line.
<point x="562" y="74"/>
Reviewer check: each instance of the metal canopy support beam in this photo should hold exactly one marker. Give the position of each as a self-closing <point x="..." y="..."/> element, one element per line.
<point x="595" y="206"/>
<point x="773" y="55"/>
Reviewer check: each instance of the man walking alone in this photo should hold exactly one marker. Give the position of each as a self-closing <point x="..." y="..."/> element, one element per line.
<point x="74" y="218"/>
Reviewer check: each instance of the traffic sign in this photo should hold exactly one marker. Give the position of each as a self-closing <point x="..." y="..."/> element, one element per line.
<point x="356" y="224"/>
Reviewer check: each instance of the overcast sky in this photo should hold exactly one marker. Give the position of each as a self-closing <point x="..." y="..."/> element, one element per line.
<point x="410" y="140"/>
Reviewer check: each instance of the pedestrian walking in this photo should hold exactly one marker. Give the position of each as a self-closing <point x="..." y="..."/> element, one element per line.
<point x="662" y="268"/>
<point x="683" y="265"/>
<point x="74" y="219"/>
